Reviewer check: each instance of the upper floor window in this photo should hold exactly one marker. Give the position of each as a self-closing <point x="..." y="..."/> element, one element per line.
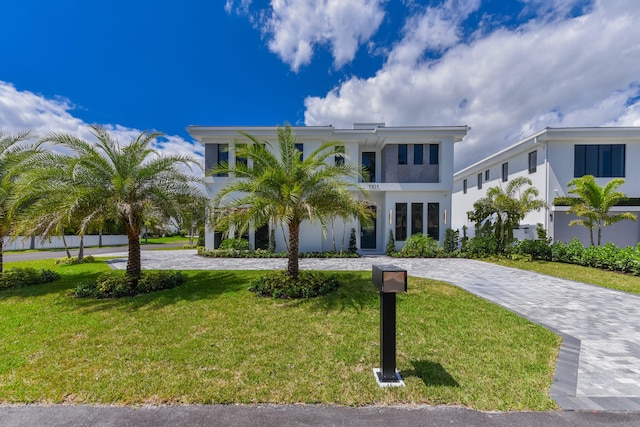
<point x="486" y="175"/>
<point x="223" y="156"/>
<point x="533" y="161"/>
<point x="402" y="154"/>
<point x="239" y="159"/>
<point x="418" y="154"/>
<point x="369" y="165"/>
<point x="505" y="172"/>
<point x="300" y="148"/>
<point x="464" y="186"/>
<point x="434" y="153"/>
<point x="338" y="158"/>
<point x="599" y="160"/>
<point x="480" y="181"/>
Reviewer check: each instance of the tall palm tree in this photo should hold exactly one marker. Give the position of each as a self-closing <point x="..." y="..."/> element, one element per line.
<point x="287" y="189"/>
<point x="12" y="154"/>
<point x="501" y="210"/>
<point x="107" y="181"/>
<point x="595" y="203"/>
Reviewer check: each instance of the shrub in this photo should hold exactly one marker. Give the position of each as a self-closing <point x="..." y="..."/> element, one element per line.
<point x="235" y="244"/>
<point x="481" y="246"/>
<point x="391" y="244"/>
<point x="279" y="284"/>
<point x="419" y="245"/>
<point x="262" y="253"/>
<point x="21" y="277"/>
<point x="451" y="240"/>
<point x="117" y="285"/>
<point x="536" y="249"/>
<point x="271" y="247"/>
<point x="200" y="236"/>
<point x="353" y="244"/>
<point x="75" y="260"/>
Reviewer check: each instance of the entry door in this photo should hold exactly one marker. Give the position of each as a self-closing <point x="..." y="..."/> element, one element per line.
<point x="368" y="237"/>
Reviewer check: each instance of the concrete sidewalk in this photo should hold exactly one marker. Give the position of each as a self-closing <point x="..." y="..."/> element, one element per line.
<point x="599" y="363"/>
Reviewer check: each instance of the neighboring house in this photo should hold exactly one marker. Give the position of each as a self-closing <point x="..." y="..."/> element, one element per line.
<point x="551" y="158"/>
<point x="409" y="184"/>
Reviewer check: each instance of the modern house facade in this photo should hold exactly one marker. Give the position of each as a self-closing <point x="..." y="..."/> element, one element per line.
<point x="409" y="183"/>
<point x="551" y="158"/>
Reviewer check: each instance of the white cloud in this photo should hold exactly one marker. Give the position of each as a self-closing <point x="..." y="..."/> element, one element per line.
<point x="294" y="28"/>
<point x="506" y="84"/>
<point x="241" y="9"/>
<point x="23" y="110"/>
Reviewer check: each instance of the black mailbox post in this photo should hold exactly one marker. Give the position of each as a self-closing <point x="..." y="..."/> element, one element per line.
<point x="389" y="280"/>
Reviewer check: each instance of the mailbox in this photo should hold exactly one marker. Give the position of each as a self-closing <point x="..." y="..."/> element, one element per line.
<point x="389" y="278"/>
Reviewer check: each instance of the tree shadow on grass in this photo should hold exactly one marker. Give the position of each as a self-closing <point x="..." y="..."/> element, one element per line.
<point x="355" y="292"/>
<point x="431" y="373"/>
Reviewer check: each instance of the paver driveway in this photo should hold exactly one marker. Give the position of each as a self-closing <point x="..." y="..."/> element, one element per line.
<point x="599" y="362"/>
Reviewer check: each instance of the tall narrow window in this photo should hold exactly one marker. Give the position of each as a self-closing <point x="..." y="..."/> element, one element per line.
<point x="300" y="148"/>
<point x="416" y="218"/>
<point x="338" y="158"/>
<point x="401" y="221"/>
<point x="433" y="220"/>
<point x="480" y="181"/>
<point x="402" y="154"/>
<point x="434" y="154"/>
<point x="533" y="161"/>
<point x="486" y="175"/>
<point x="464" y="186"/>
<point x="418" y="154"/>
<point x="223" y="156"/>
<point x="239" y="159"/>
<point x="369" y="165"/>
<point x="505" y="172"/>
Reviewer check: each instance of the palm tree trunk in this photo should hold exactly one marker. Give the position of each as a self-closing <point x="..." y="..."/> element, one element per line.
<point x="81" y="248"/>
<point x="134" y="265"/>
<point x="64" y="242"/>
<point x="1" y="253"/>
<point x="100" y="238"/>
<point x="294" y="241"/>
<point x="599" y="233"/>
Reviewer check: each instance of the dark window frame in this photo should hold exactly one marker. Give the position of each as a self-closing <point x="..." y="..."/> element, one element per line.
<point x="403" y="154"/>
<point x="401" y="222"/>
<point x="464" y="186"/>
<point x="433" y="221"/>
<point x="434" y="154"/>
<point x="300" y="147"/>
<point x="480" y="181"/>
<point x="372" y="170"/>
<point x="417" y="213"/>
<point x="418" y="154"/>
<point x="505" y="171"/>
<point x="600" y="160"/>
<point x="487" y="175"/>
<point x="533" y="161"/>
<point x="223" y="156"/>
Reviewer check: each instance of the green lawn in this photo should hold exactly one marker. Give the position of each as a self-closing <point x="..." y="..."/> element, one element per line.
<point x="212" y="341"/>
<point x="594" y="276"/>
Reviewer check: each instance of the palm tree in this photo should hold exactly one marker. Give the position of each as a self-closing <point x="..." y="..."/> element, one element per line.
<point x="12" y="154"/>
<point x="107" y="181"/>
<point x="595" y="203"/>
<point x="287" y="189"/>
<point x="501" y="210"/>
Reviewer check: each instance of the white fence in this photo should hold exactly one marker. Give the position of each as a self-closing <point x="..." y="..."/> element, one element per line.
<point x="20" y="243"/>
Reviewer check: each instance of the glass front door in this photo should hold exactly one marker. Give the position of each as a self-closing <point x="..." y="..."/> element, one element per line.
<point x="368" y="237"/>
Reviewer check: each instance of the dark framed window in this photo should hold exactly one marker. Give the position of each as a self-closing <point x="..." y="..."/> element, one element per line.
<point x="533" y="161"/>
<point x="505" y="172"/>
<point x="434" y="154"/>
<point x="599" y="160"/>
<point x="402" y="154"/>
<point x="486" y="175"/>
<point x="338" y="158"/>
<point x="480" y="181"/>
<point x="300" y="148"/>
<point x="239" y="159"/>
<point x="401" y="221"/>
<point x="418" y="154"/>
<point x="369" y="165"/>
<point x="464" y="186"/>
<point x="416" y="218"/>
<point x="433" y="220"/>
<point x="223" y="156"/>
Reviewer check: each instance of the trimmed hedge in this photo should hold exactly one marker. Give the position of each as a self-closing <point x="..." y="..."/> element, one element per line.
<point x="279" y="284"/>
<point x="22" y="277"/>
<point x="118" y="285"/>
<point x="262" y="253"/>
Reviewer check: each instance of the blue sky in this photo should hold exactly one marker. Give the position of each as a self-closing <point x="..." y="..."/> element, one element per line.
<point x="506" y="68"/>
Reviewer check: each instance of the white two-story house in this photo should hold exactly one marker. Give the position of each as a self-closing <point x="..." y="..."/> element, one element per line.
<point x="551" y="158"/>
<point x="410" y="179"/>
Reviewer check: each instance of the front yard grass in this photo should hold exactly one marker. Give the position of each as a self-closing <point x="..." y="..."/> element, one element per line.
<point x="594" y="276"/>
<point x="212" y="341"/>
